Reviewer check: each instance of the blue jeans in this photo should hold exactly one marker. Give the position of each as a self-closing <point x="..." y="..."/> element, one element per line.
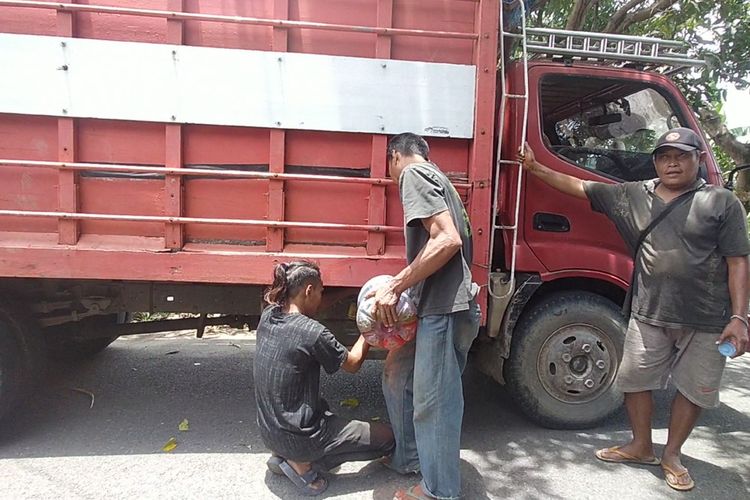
<point x="424" y="395"/>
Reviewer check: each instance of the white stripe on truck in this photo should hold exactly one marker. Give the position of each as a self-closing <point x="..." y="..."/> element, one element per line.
<point x="83" y="78"/>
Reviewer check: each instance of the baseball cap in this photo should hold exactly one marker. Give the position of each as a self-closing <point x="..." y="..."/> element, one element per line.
<point x="680" y="138"/>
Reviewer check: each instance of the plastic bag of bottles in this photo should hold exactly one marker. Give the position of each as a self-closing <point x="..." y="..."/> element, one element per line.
<point x="375" y="333"/>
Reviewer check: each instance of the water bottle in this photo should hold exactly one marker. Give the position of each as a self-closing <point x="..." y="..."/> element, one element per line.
<point x="727" y="349"/>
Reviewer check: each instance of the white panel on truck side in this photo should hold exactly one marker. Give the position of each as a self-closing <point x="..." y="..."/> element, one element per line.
<point x="85" y="78"/>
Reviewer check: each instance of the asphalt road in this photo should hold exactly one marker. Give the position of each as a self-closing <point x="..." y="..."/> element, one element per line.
<point x="60" y="447"/>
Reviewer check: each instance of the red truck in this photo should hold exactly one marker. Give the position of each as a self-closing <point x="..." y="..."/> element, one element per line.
<point x="162" y="155"/>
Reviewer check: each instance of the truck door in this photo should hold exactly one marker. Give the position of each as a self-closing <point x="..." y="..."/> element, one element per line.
<point x="597" y="124"/>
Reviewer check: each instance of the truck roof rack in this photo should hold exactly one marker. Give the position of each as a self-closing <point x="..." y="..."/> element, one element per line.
<point x="608" y="47"/>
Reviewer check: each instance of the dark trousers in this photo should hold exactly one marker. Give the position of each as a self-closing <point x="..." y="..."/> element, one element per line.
<point x="353" y="441"/>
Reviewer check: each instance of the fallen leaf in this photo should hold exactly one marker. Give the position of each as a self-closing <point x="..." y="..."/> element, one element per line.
<point x="170" y="445"/>
<point x="375" y="419"/>
<point x="184" y="425"/>
<point x="350" y="403"/>
<point x="88" y="393"/>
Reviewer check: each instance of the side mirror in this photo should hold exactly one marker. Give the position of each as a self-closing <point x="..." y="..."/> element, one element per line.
<point x="729" y="184"/>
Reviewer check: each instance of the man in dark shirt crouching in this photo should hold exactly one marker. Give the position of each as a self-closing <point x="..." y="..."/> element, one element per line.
<point x="305" y="438"/>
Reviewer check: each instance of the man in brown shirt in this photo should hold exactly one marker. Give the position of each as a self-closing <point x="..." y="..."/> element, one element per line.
<point x="690" y="290"/>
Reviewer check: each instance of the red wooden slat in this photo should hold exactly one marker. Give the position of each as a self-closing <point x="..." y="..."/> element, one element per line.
<point x="175" y="27"/>
<point x="236" y="174"/>
<point x="68" y="230"/>
<point x="277" y="149"/>
<point x="277" y="23"/>
<point x="376" y="205"/>
<point x="480" y="173"/>
<point x="199" y="220"/>
<point x="131" y="264"/>
<point x="275" y="236"/>
<point x="174" y="234"/>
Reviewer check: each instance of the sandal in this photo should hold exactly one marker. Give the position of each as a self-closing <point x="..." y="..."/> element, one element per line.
<point x="273" y="465"/>
<point x="620" y="457"/>
<point x="304" y="482"/>
<point x="672" y="477"/>
<point x="412" y="494"/>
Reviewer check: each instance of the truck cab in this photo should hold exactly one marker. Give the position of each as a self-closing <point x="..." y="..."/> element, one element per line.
<point x="556" y="319"/>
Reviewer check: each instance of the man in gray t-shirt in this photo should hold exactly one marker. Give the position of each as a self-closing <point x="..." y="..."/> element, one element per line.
<point x="689" y="290"/>
<point x="425" y="191"/>
<point x="422" y="380"/>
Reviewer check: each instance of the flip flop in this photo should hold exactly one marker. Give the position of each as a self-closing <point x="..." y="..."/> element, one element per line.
<point x="624" y="458"/>
<point x="304" y="482"/>
<point x="411" y="494"/>
<point x="672" y="477"/>
<point x="273" y="465"/>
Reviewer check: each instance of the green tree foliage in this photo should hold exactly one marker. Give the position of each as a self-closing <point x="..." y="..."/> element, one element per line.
<point x="718" y="30"/>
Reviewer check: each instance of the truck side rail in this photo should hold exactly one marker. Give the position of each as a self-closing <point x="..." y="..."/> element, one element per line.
<point x="199" y="172"/>
<point x="256" y="21"/>
<point x="390" y="24"/>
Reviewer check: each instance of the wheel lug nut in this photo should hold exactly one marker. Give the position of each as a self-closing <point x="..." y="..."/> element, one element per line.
<point x="600" y="364"/>
<point x="568" y="379"/>
<point x="589" y="383"/>
<point x="566" y="357"/>
<point x="586" y="347"/>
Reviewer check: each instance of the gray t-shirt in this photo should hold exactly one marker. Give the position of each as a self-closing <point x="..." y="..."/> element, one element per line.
<point x="425" y="191"/>
<point x="683" y="275"/>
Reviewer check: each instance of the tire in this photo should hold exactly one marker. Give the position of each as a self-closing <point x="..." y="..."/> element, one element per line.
<point x="11" y="372"/>
<point x="564" y="357"/>
<point x="22" y="360"/>
<point x="63" y="345"/>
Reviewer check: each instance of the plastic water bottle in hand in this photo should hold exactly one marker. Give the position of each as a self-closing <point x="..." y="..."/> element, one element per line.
<point x="377" y="334"/>
<point x="727" y="349"/>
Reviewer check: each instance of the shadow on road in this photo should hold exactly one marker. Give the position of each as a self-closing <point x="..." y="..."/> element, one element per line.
<point x="143" y="390"/>
<point x="529" y="453"/>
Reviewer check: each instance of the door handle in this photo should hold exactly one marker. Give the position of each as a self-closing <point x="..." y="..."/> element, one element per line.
<point x="553" y="223"/>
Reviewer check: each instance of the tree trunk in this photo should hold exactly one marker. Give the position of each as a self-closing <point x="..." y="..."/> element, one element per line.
<point x="577" y="15"/>
<point x="739" y="152"/>
<point x="620" y="15"/>
<point x="627" y="19"/>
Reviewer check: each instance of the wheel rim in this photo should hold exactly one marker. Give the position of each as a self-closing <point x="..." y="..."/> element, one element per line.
<point x="577" y="363"/>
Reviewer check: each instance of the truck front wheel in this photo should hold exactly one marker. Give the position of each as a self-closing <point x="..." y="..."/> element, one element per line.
<point x="563" y="360"/>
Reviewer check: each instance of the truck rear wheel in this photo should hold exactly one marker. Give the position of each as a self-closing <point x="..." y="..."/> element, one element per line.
<point x="64" y="345"/>
<point x="21" y="358"/>
<point x="563" y="360"/>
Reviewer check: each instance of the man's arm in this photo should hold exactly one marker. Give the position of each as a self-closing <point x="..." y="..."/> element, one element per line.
<point x="562" y="182"/>
<point x="443" y="244"/>
<point x="736" y="330"/>
<point x="356" y="356"/>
